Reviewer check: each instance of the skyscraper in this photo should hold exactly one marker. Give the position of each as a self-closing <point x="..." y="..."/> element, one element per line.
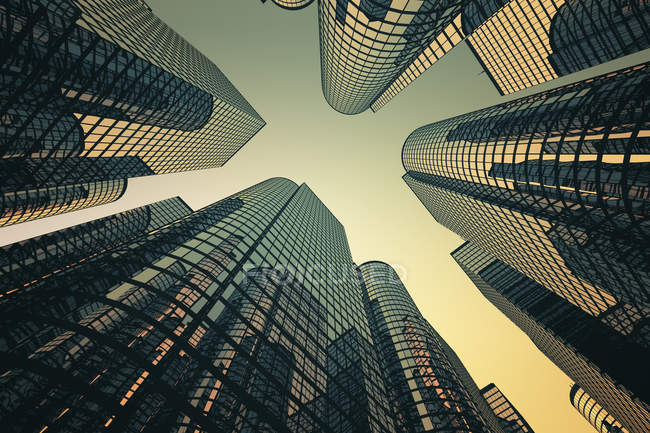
<point x="610" y="367"/>
<point x="508" y="415"/>
<point x="367" y="45"/>
<point x="529" y="42"/>
<point x="522" y="43"/>
<point x="292" y="4"/>
<point x="425" y="383"/>
<point x="94" y="93"/>
<point x="554" y="185"/>
<point x="25" y="262"/>
<point x="246" y="315"/>
<point x="593" y="412"/>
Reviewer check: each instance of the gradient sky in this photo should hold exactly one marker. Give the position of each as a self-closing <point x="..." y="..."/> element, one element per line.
<point x="353" y="164"/>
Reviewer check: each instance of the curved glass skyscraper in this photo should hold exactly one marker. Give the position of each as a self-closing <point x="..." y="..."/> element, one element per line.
<point x="94" y="93"/>
<point x="426" y="386"/>
<point x="556" y="186"/>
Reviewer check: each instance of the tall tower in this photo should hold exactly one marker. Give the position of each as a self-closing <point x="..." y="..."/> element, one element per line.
<point x="529" y="42"/>
<point x="556" y="186"/>
<point x="426" y="387"/>
<point x="593" y="412"/>
<point x="292" y="4"/>
<point x="508" y="415"/>
<point x="28" y="261"/>
<point x="244" y="316"/>
<point x="366" y="45"/>
<point x="610" y="367"/>
<point x="92" y="94"/>
<point x="522" y="43"/>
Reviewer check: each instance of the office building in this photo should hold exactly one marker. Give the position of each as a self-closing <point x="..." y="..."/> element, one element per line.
<point x="611" y="367"/>
<point x="95" y="93"/>
<point x="366" y="45"/>
<point x="292" y="4"/>
<point x="522" y="43"/>
<point x="25" y="262"/>
<point x="594" y="413"/>
<point x="509" y="417"/>
<point x="529" y="42"/>
<point x="556" y="186"/>
<point x="246" y="315"/>
<point x="426" y="387"/>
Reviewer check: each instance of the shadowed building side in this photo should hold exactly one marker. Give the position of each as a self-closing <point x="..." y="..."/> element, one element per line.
<point x="610" y="367"/>
<point x="556" y="180"/>
<point x="427" y="391"/>
<point x="83" y="83"/>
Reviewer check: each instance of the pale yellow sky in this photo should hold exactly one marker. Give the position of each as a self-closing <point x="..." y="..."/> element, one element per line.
<point x="353" y="164"/>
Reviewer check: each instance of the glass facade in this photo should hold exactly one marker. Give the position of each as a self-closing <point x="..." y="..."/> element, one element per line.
<point x="471" y="16"/>
<point x="25" y="262"/>
<point x="94" y="93"/>
<point x="529" y="42"/>
<point x="292" y="4"/>
<point x="610" y="367"/>
<point x="593" y="412"/>
<point x="366" y="44"/>
<point x="246" y="316"/>
<point x="508" y="415"/>
<point x="427" y="392"/>
<point x="555" y="185"/>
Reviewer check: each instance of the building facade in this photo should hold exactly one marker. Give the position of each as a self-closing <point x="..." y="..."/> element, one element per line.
<point x="245" y="316"/>
<point x="555" y="185"/>
<point x="593" y="412"/>
<point x="522" y="43"/>
<point x="366" y="45"/>
<point x="292" y="4"/>
<point x="509" y="417"/>
<point x="610" y="367"/>
<point x="28" y="261"/>
<point x="93" y="94"/>
<point x="427" y="388"/>
<point x="529" y="42"/>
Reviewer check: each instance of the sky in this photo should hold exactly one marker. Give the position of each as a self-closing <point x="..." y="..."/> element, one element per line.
<point x="353" y="164"/>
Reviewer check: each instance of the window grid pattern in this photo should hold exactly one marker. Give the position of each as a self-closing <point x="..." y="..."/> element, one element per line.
<point x="451" y="36"/>
<point x="105" y="91"/>
<point x="35" y="203"/>
<point x="201" y="325"/>
<point x="25" y="262"/>
<point x="597" y="416"/>
<point x="614" y="373"/>
<point x="555" y="185"/>
<point x="510" y="417"/>
<point x="293" y="4"/>
<point x="529" y="42"/>
<point x="366" y="45"/>
<point x="426" y="389"/>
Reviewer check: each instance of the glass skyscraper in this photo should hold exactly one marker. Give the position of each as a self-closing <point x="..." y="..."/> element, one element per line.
<point x="522" y="43"/>
<point x="593" y="412"/>
<point x="556" y="186"/>
<point x="426" y="385"/>
<point x="367" y="45"/>
<point x="612" y="368"/>
<point x="508" y="415"/>
<point x="292" y="4"/>
<point x="529" y="42"/>
<point x="94" y="93"/>
<point x="28" y="261"/>
<point x="245" y="316"/>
